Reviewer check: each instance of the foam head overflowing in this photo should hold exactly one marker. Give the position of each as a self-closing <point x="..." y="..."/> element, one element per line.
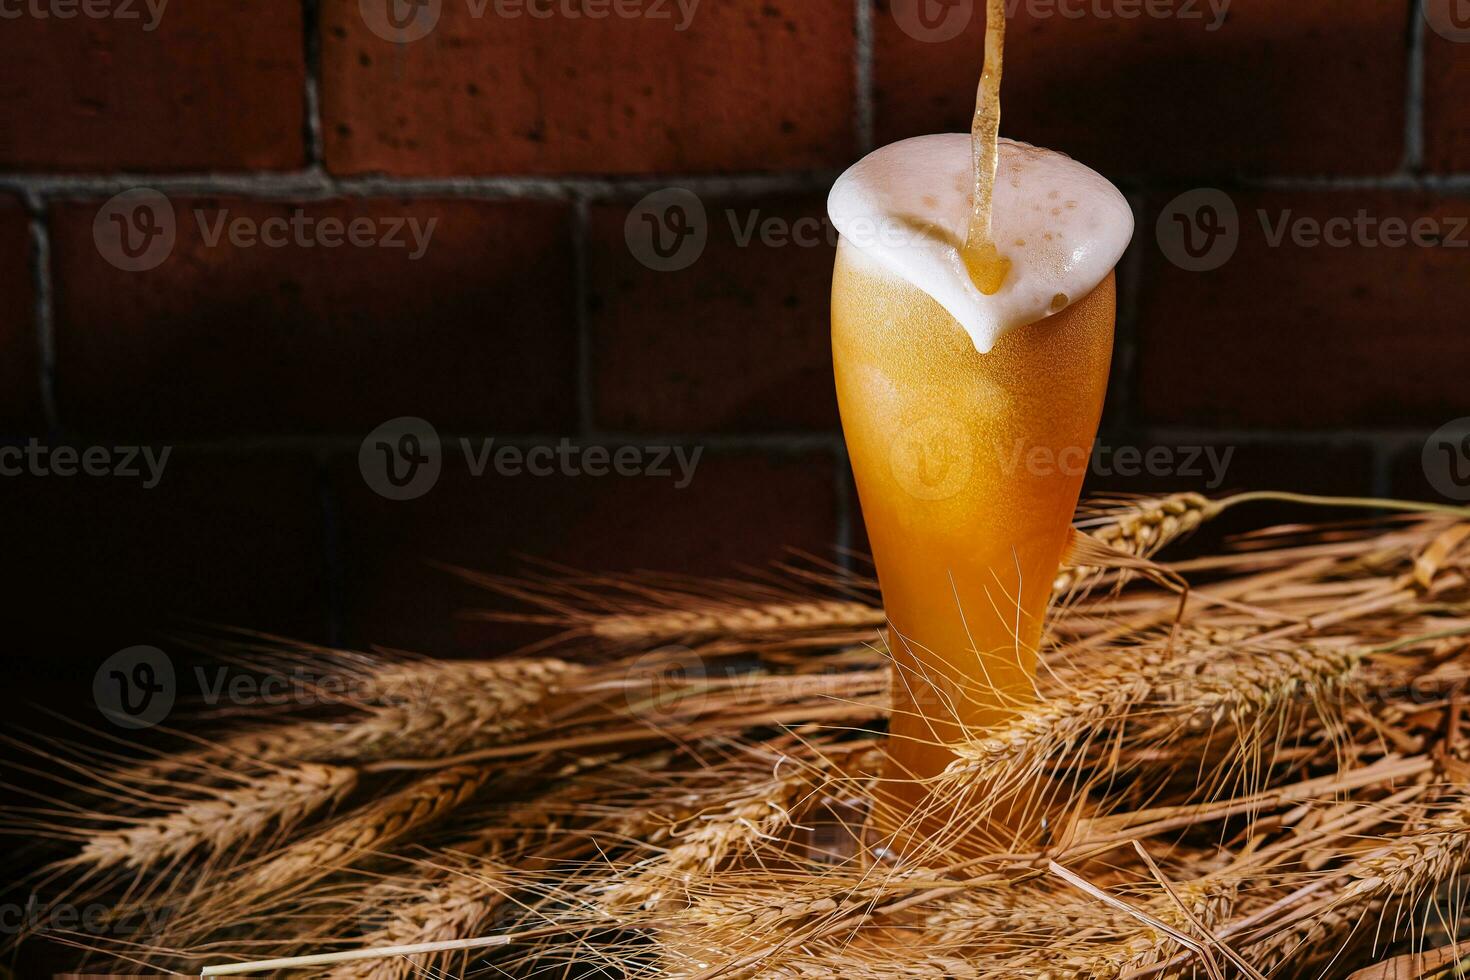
<point x="1061" y="226"/>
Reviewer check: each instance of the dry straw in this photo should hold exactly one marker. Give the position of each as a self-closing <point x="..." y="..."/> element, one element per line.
<point x="1251" y="763"/>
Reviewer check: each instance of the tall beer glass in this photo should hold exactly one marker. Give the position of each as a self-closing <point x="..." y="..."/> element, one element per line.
<point x="968" y="467"/>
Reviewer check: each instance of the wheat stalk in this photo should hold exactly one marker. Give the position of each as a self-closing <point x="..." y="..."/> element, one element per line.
<point x="723" y="621"/>
<point x="754" y="813"/>
<point x="371" y="828"/>
<point x="225" y="819"/>
<point x="458" y="905"/>
<point x="702" y="853"/>
<point x="758" y="908"/>
<point x="1141" y="531"/>
<point x="1173" y="693"/>
<point x="425" y="711"/>
<point x="1252" y="683"/>
<point x="492" y="703"/>
<point x="1205" y="903"/>
<point x="1412" y="865"/>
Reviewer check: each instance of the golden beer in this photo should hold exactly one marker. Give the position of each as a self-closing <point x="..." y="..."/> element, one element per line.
<point x="968" y="468"/>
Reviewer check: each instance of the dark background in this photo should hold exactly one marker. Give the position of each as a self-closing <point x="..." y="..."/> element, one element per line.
<point x="529" y="318"/>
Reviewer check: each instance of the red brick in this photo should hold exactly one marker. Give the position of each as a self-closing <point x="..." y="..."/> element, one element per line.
<point x="749" y="85"/>
<point x="738" y="510"/>
<point x="216" y="86"/>
<point x="478" y="334"/>
<point x="1322" y="337"/>
<point x="224" y="539"/>
<point x="20" y="369"/>
<point x="740" y="340"/>
<point x="1446" y="104"/>
<point x="1306" y="87"/>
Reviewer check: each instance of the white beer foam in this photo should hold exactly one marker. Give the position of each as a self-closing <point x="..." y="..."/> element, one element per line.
<point x="1062" y="225"/>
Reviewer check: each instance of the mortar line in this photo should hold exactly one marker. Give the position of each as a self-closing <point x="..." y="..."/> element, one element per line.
<point x="1414" y="95"/>
<point x="311" y="95"/>
<point x="791" y="443"/>
<point x="864" y="76"/>
<point x="581" y="266"/>
<point x="43" y="315"/>
<point x="1383" y="457"/>
<point x="1362" y="434"/>
<point x="843" y="506"/>
<point x="315" y="183"/>
<point x="1123" y="389"/>
<point x="333" y="561"/>
<point x="1437" y="183"/>
<point x="1393" y="440"/>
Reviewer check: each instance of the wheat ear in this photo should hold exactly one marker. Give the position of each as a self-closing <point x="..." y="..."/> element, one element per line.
<point x="1409" y="867"/>
<point x="1141" y="531"/>
<point x="725" y="621"/>
<point x="226" y="818"/>
<point x="757" y="812"/>
<point x="458" y="906"/>
<point x="1186" y="692"/>
<point x="426" y="711"/>
<point x="374" y="827"/>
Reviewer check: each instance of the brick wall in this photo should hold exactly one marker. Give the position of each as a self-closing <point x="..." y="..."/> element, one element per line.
<point x="528" y="141"/>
